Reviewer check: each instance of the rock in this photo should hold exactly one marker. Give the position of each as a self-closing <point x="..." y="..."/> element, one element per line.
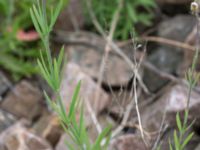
<point x="24" y="101"/>
<point x="105" y="121"/>
<point x="178" y="101"/>
<point x="17" y="137"/>
<point x="48" y="127"/>
<point x="72" y="75"/>
<point x="177" y="28"/>
<point x="173" y="101"/>
<point x="6" y="120"/>
<point x="198" y="147"/>
<point x="120" y="100"/>
<point x="127" y="142"/>
<point x="166" y="58"/>
<point x="4" y="84"/>
<point x="73" y="12"/>
<point x="116" y="71"/>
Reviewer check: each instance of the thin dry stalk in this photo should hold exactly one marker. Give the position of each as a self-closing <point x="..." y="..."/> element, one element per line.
<point x="160" y="131"/>
<point x="162" y="41"/>
<point x="93" y="116"/>
<point x="107" y="48"/>
<point x="137" y="66"/>
<point x="131" y="104"/>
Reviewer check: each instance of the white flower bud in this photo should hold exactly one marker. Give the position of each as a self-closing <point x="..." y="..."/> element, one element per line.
<point x="194" y="7"/>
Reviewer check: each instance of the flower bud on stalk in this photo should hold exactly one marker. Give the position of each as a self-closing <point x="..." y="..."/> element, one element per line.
<point x="194" y="7"/>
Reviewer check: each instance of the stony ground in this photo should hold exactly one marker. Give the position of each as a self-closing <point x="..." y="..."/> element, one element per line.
<point x="26" y="123"/>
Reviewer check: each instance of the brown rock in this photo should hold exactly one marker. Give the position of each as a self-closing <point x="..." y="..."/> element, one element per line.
<point x="18" y="137"/>
<point x="72" y="75"/>
<point x="127" y="142"/>
<point x="23" y="101"/>
<point x="48" y="127"/>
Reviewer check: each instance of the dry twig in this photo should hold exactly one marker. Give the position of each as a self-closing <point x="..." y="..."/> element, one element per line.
<point x="107" y="48"/>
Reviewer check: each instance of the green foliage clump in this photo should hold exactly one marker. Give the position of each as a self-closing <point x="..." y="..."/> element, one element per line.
<point x="133" y="12"/>
<point x="17" y="56"/>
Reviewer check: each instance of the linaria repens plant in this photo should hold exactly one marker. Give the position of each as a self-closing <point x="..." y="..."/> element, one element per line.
<point x="180" y="137"/>
<point x="51" y="71"/>
<point x="17" y="54"/>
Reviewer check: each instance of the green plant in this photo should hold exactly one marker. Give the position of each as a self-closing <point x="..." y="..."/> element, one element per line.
<point x="51" y="71"/>
<point x="182" y="138"/>
<point x="133" y="12"/>
<point x="17" y="56"/>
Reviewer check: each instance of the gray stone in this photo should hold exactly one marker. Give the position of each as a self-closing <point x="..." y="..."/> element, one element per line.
<point x="167" y="58"/>
<point x="6" y="120"/>
<point x="4" y="84"/>
<point x="177" y="28"/>
<point x="24" y="101"/>
<point x="198" y="147"/>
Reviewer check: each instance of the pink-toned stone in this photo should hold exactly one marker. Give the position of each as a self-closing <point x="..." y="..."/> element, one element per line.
<point x="18" y="137"/>
<point x="173" y="101"/>
<point x="72" y="75"/>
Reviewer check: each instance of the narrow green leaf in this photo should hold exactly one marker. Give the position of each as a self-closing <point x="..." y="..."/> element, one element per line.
<point x="60" y="57"/>
<point x="176" y="140"/>
<point x="70" y="146"/>
<point x="56" y="75"/>
<point x="100" y="138"/>
<point x="38" y="18"/>
<point x="178" y="122"/>
<point x="56" y="13"/>
<point x="35" y="23"/>
<point x="186" y="140"/>
<point x="132" y="13"/>
<point x="62" y="108"/>
<point x="170" y="145"/>
<point x="74" y="99"/>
